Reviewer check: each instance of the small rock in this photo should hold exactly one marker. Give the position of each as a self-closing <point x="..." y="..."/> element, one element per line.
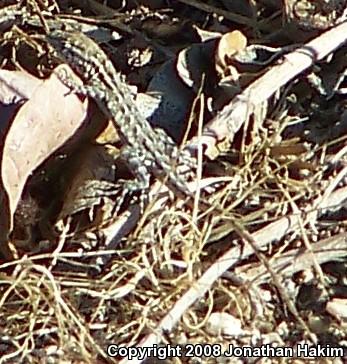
<point x="222" y="323"/>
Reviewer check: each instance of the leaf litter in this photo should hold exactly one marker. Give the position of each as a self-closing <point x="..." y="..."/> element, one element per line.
<point x="273" y="137"/>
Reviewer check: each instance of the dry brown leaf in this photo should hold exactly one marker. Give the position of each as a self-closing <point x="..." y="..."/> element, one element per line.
<point x="43" y="124"/>
<point x="229" y="45"/>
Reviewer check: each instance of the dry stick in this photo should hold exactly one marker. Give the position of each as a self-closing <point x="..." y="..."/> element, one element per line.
<point x="227" y="123"/>
<point x="226" y="14"/>
<point x="104" y="10"/>
<point x="233" y="116"/>
<point x="296" y="260"/>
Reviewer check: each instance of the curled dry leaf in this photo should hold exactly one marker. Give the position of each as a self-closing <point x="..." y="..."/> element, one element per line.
<point x="229" y="46"/>
<point x="43" y="124"/>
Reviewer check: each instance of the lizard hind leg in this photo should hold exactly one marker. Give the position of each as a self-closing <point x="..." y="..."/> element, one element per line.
<point x="130" y="188"/>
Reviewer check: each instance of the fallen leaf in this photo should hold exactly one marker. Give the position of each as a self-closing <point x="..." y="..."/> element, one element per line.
<point x="230" y="44"/>
<point x="43" y="124"/>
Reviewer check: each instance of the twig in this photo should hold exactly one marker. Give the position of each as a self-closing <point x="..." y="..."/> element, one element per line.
<point x="296" y="260"/>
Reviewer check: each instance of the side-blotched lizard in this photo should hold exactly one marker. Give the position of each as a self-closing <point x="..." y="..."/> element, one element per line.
<point x="147" y="151"/>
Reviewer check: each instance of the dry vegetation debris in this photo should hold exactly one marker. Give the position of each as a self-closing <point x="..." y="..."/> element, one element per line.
<point x="258" y="89"/>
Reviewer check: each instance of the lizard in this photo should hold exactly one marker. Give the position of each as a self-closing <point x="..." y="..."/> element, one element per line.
<point x="147" y="151"/>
